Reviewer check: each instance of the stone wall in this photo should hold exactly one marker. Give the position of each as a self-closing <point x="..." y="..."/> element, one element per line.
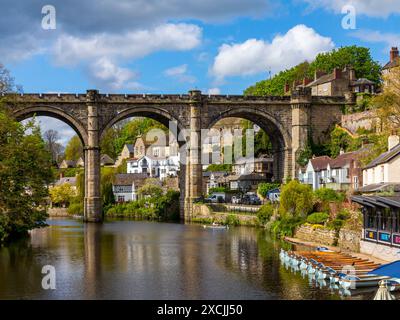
<point x="202" y="211"/>
<point x="348" y="240"/>
<point x="366" y="119"/>
<point x="319" y="235"/>
<point x="57" y="212"/>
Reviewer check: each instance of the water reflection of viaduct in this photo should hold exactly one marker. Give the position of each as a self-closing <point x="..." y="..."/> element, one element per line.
<point x="289" y="120"/>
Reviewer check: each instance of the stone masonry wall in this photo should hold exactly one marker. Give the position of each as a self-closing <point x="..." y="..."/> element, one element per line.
<point x="348" y="240"/>
<point x="319" y="235"/>
<point x="57" y="212"/>
<point x="202" y="211"/>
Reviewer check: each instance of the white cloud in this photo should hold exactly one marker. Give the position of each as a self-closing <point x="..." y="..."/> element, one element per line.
<point x="102" y="53"/>
<point x="256" y="56"/>
<point x="108" y="76"/>
<point x="214" y="91"/>
<point x="68" y="49"/>
<point x="180" y="73"/>
<point x="390" y="39"/>
<point x="176" y="71"/>
<point x="372" y="8"/>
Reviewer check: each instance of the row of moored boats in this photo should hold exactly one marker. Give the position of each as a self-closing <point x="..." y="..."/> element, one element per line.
<point x="341" y="270"/>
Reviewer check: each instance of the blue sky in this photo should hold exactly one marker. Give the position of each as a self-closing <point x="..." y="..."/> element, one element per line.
<point x="173" y="46"/>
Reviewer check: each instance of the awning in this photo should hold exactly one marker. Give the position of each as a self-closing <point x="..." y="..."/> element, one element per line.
<point x="360" y="200"/>
<point x="390" y="270"/>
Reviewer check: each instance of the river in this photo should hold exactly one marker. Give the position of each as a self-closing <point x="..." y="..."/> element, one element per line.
<point x="124" y="259"/>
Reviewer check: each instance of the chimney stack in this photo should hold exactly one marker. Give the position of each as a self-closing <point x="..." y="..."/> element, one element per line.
<point x="394" y="54"/>
<point x="287" y="87"/>
<point x="318" y="74"/>
<point x="306" y="81"/>
<point x="337" y="73"/>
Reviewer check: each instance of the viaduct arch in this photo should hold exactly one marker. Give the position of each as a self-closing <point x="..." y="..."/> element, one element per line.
<point x="289" y="120"/>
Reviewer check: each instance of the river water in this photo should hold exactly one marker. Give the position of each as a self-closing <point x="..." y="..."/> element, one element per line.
<point x="123" y="259"/>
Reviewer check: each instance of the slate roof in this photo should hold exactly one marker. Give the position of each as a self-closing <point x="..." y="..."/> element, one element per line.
<point x="380" y="187"/>
<point x="207" y="174"/>
<point x="68" y="163"/>
<point x="343" y="159"/>
<point x="323" y="79"/>
<point x="69" y="180"/>
<point x="106" y="159"/>
<point x="247" y="177"/>
<point x="130" y="147"/>
<point x="127" y="179"/>
<point x="384" y="157"/>
<point x="363" y="81"/>
<point x="320" y="163"/>
<point x="392" y="64"/>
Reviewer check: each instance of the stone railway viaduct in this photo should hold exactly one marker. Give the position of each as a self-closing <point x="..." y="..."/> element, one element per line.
<point x="290" y="121"/>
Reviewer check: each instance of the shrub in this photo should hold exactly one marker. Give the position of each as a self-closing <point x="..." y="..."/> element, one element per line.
<point x="232" y="220"/>
<point x="318" y="218"/>
<point x="286" y="226"/>
<point x="264" y="188"/>
<point x="329" y="195"/>
<point x="296" y="199"/>
<point x="75" y="208"/>
<point x="265" y="213"/>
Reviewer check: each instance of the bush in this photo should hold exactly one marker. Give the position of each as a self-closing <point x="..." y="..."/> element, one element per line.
<point x="75" y="208"/>
<point x="318" y="218"/>
<point x="264" y="188"/>
<point x="286" y="226"/>
<point x="232" y="220"/>
<point x="265" y="213"/>
<point x="296" y="200"/>
<point x="337" y="223"/>
<point x="329" y="195"/>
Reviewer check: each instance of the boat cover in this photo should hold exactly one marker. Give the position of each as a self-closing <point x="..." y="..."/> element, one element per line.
<point x="390" y="270"/>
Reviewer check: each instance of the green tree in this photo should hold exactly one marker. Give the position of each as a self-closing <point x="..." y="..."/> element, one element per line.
<point x="133" y="129"/>
<point x="296" y="200"/>
<point x="151" y="189"/>
<point x="265" y="187"/>
<point x="74" y="148"/>
<point x="62" y="194"/>
<point x="358" y="57"/>
<point x="25" y="172"/>
<point x="262" y="144"/>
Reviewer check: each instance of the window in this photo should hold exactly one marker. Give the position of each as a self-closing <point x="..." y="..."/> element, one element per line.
<point x="385" y="220"/>
<point x="355" y="182"/>
<point x="396" y="222"/>
<point x="156" y="152"/>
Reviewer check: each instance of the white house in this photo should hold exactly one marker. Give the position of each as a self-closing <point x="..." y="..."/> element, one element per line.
<point x="126" y="185"/>
<point x="156" y="158"/>
<point x="386" y="167"/>
<point x="316" y="172"/>
<point x="154" y="167"/>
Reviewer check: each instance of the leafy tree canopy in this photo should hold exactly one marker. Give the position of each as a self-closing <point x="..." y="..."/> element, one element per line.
<point x="358" y="57"/>
<point x="25" y="173"/>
